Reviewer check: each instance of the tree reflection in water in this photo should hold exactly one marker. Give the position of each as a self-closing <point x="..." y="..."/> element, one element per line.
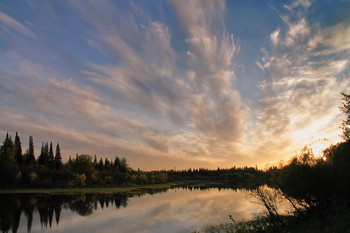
<point x="49" y="206"/>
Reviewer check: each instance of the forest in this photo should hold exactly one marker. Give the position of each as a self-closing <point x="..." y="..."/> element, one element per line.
<point x="25" y="170"/>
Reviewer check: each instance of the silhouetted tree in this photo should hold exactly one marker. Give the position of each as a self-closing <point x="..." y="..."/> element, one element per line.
<point x="18" y="150"/>
<point x="70" y="161"/>
<point x="107" y="164"/>
<point x="123" y="165"/>
<point x="30" y="158"/>
<point x="43" y="155"/>
<point x="100" y="165"/>
<point x="269" y="198"/>
<point x="7" y="151"/>
<point x="116" y="164"/>
<point x="58" y="158"/>
<point x="346" y="109"/>
<point x="50" y="159"/>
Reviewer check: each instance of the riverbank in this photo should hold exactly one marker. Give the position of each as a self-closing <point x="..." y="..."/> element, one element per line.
<point x="116" y="189"/>
<point x="338" y="223"/>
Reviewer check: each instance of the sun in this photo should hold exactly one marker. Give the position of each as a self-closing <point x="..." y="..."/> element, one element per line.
<point x="318" y="146"/>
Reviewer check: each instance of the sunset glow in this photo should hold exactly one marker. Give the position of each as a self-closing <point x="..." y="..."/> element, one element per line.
<point x="178" y="83"/>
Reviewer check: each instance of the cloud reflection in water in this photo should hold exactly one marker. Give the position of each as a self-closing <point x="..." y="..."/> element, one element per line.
<point x="174" y="211"/>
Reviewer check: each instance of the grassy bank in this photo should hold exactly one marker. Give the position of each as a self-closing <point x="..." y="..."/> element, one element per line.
<point x="118" y="189"/>
<point x="91" y="189"/>
<point x="338" y="223"/>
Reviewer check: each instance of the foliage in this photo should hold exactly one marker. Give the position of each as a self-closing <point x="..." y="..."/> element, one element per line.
<point x="346" y="109"/>
<point x="48" y="170"/>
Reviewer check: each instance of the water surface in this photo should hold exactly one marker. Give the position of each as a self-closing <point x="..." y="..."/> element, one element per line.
<point x="173" y="210"/>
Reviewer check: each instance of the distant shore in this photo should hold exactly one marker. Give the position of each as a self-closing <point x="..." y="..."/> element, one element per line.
<point x="116" y="189"/>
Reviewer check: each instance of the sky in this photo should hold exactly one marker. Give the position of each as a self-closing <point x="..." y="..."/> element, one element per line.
<point x="175" y="83"/>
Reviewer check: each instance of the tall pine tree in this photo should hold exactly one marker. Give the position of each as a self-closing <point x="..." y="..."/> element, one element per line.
<point x="50" y="159"/>
<point x="43" y="155"/>
<point x="58" y="158"/>
<point x="18" y="150"/>
<point x="8" y="153"/>
<point x="30" y="158"/>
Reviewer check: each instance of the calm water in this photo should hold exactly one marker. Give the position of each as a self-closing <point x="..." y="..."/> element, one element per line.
<point x="173" y="210"/>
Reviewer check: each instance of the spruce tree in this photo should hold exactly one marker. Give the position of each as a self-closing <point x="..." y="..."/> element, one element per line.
<point x="116" y="164"/>
<point x="30" y="158"/>
<point x="8" y="152"/>
<point x="18" y="150"/>
<point x="100" y="165"/>
<point x="70" y="162"/>
<point x="50" y="158"/>
<point x="43" y="155"/>
<point x="107" y="164"/>
<point x="58" y="158"/>
<point x="46" y="151"/>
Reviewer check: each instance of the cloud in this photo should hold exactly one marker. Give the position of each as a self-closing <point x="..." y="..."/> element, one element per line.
<point x="305" y="4"/>
<point x="203" y="101"/>
<point x="217" y="109"/>
<point x="13" y="24"/>
<point x="156" y="88"/>
<point x="302" y="82"/>
<point x="143" y="103"/>
<point x="297" y="33"/>
<point x="275" y="37"/>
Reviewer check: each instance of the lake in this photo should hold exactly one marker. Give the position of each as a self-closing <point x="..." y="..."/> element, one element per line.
<point x="167" y="210"/>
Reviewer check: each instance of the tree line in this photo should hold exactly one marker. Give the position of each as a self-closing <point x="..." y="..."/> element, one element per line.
<point x="24" y="170"/>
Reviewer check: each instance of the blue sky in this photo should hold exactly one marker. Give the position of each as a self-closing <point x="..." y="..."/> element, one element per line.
<point x="175" y="83"/>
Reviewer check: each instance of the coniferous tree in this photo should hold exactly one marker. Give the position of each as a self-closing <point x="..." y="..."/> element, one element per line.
<point x="8" y="153"/>
<point x="58" y="158"/>
<point x="107" y="164"/>
<point x="1" y="155"/>
<point x="116" y="164"/>
<point x="43" y="156"/>
<point x="100" y="165"/>
<point x="70" y="160"/>
<point x="30" y="158"/>
<point x="95" y="162"/>
<point x="2" y="152"/>
<point x="123" y="165"/>
<point x="18" y="150"/>
<point x="50" y="158"/>
<point x="46" y="150"/>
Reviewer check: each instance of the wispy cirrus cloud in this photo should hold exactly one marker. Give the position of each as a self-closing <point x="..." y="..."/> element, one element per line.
<point x="11" y="24"/>
<point x="203" y="101"/>
<point x="304" y="77"/>
<point x="160" y="82"/>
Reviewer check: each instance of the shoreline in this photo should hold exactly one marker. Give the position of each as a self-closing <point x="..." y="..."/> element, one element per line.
<point x="115" y="189"/>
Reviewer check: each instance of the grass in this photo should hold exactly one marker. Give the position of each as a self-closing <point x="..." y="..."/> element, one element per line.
<point x="339" y="223"/>
<point x="107" y="190"/>
<point x="120" y="189"/>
